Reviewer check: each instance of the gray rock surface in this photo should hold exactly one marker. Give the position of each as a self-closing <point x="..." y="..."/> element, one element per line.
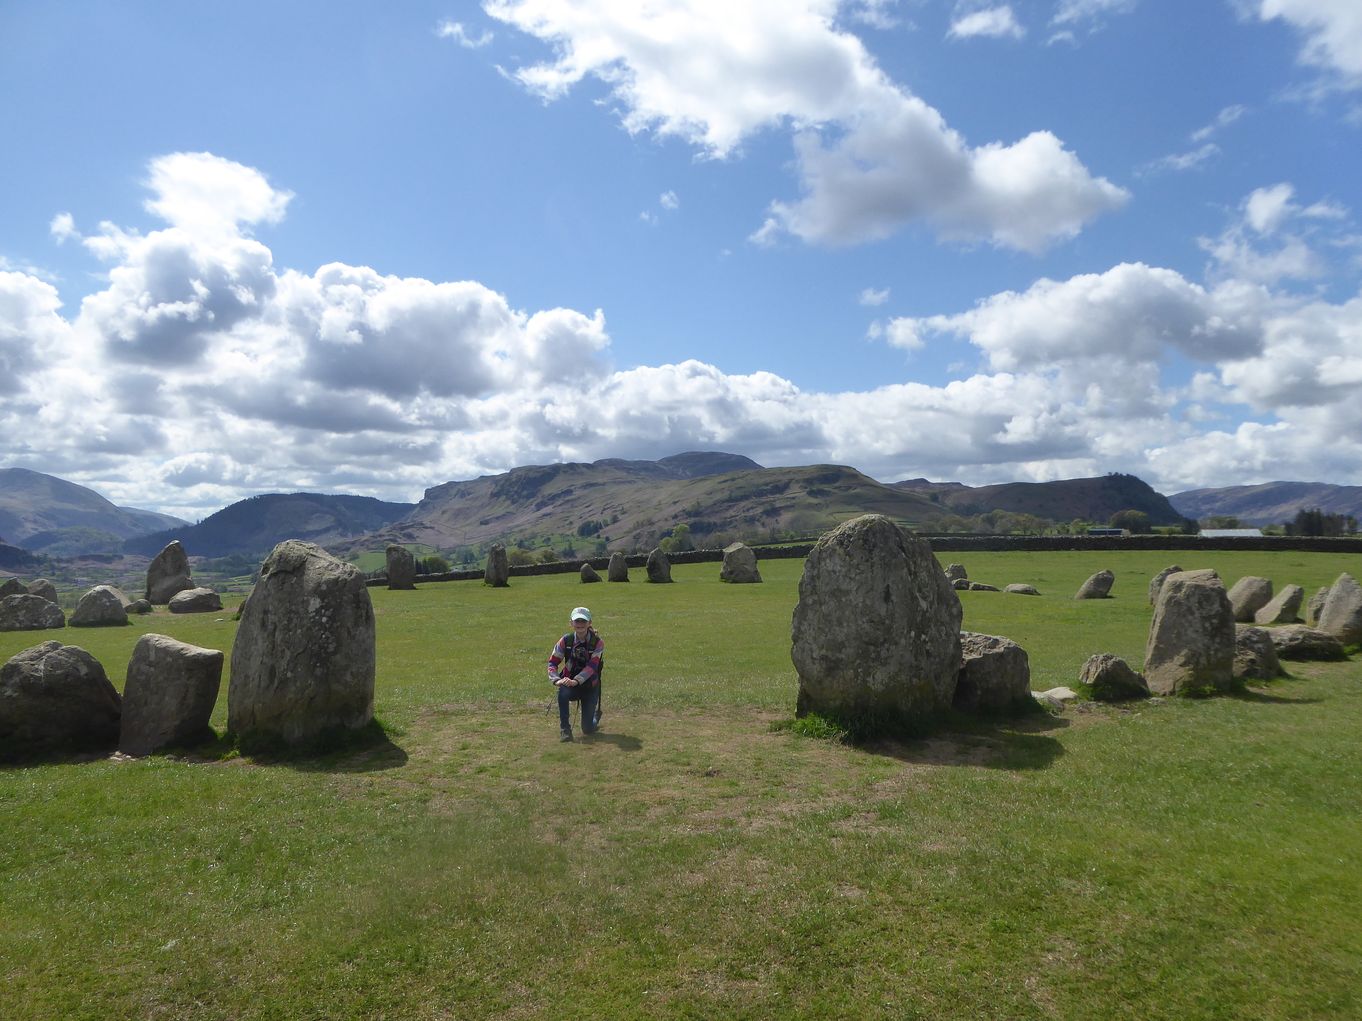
<point x="1341" y="615"/>
<point x="44" y="588"/>
<point x="139" y="606"/>
<point x="28" y="612"/>
<point x="995" y="675"/>
<point x="1298" y="642"/>
<point x="498" y="571"/>
<point x="979" y="586"/>
<point x="55" y="697"/>
<point x="195" y="600"/>
<point x="1316" y="606"/>
<point x="659" y="567"/>
<point x="1019" y="589"/>
<point x="1097" y="587"/>
<point x="13" y="587"/>
<point x="876" y="632"/>
<point x="618" y="569"/>
<point x="401" y="568"/>
<point x="169" y="695"/>
<point x="1255" y="657"/>
<point x="1112" y="679"/>
<point x="740" y="565"/>
<point x="588" y="574"/>
<point x="1283" y="608"/>
<point x="1156" y="583"/>
<point x="303" y="659"/>
<point x="1249" y="595"/>
<point x="100" y="607"/>
<point x="167" y="574"/>
<point x="956" y="572"/>
<point x="959" y="584"/>
<point x="1191" y="639"/>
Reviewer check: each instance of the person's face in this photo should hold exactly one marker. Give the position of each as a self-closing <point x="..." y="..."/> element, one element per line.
<point x="581" y="627"/>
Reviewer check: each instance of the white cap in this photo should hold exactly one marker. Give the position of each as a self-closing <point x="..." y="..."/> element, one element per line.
<point x="581" y="613"/>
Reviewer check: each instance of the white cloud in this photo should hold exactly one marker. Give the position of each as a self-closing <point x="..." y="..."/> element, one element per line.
<point x="1272" y="240"/>
<point x="1089" y="12"/>
<point x="1332" y="31"/>
<point x="456" y="31"/>
<point x="992" y="22"/>
<point x="1223" y="119"/>
<point x="31" y="328"/>
<point x="211" y="195"/>
<point x="1179" y="162"/>
<point x="63" y="228"/>
<point x="668" y="200"/>
<point x="872" y="297"/>
<point x="1266" y="209"/>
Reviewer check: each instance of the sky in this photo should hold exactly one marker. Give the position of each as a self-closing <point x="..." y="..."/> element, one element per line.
<point x="359" y="248"/>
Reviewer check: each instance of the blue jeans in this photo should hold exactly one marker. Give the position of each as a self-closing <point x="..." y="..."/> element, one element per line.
<point x="589" y="696"/>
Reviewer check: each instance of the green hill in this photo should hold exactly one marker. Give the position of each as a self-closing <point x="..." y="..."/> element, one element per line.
<point x="43" y="513"/>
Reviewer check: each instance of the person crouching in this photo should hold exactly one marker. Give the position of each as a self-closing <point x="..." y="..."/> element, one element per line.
<point x="575" y="667"/>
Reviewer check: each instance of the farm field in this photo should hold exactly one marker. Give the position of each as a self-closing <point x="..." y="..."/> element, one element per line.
<point x="1176" y="859"/>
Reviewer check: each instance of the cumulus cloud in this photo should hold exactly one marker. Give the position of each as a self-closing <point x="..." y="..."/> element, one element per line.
<point x="871" y="296"/>
<point x="872" y="158"/>
<point x="991" y="22"/>
<point x="456" y="31"/>
<point x="31" y="328"/>
<point x="1332" y="31"/>
<point x="1274" y="238"/>
<point x="210" y="195"/>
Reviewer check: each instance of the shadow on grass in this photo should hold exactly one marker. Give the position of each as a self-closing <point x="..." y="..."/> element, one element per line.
<point x="623" y="742"/>
<point x="1012" y="744"/>
<point x="366" y="750"/>
<point x="1260" y="697"/>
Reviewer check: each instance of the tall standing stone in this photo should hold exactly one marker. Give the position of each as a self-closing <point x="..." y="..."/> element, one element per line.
<point x="498" y="571"/>
<point x="303" y="659"/>
<point x="1097" y="587"/>
<point x="1156" y="583"/>
<point x="876" y="633"/>
<point x="740" y="565"/>
<point x="1191" y="638"/>
<point x="1248" y="595"/>
<point x="588" y="574"/>
<point x="1341" y="615"/>
<point x="1316" y="606"/>
<point x="168" y="573"/>
<point x="659" y="567"/>
<point x="401" y="568"/>
<point x="169" y="695"/>
<point x="618" y="569"/>
<point x="56" y="697"/>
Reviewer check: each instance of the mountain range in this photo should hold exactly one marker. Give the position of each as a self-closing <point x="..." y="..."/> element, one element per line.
<point x="1270" y="503"/>
<point x="45" y="514"/>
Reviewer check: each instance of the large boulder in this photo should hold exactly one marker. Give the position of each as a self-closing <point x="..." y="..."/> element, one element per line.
<point x="740" y="565"/>
<point x="29" y="613"/>
<point x="139" y="606"/>
<point x="876" y="632"/>
<point x="13" y="587"/>
<point x="995" y="675"/>
<point x="43" y="587"/>
<point x="498" y="570"/>
<point x="1298" y="642"/>
<point x="195" y="600"/>
<point x="1097" y="587"/>
<point x="1282" y="608"/>
<point x="1255" y="657"/>
<point x="1156" y="583"/>
<point x="957" y="572"/>
<point x="169" y="695"/>
<point x="55" y="697"/>
<point x="303" y="658"/>
<point x="618" y="569"/>
<point x="1191" y="638"/>
<point x="100" y="607"/>
<point x="1249" y="595"/>
<point x="1112" y="679"/>
<point x="1341" y="615"/>
<point x="588" y="575"/>
<point x="401" y="568"/>
<point x="659" y="567"/>
<point x="168" y="573"/>
<point x="1316" y="606"/>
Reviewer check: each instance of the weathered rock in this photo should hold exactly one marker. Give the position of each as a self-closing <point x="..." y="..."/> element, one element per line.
<point x="139" y="606"/>
<point x="1156" y="583"/>
<point x="13" y="587"/>
<point x="195" y="600"/>
<point x="1249" y="595"/>
<point x="960" y="584"/>
<point x="401" y="568"/>
<point x="659" y="567"/>
<point x="100" y="607"/>
<point x="29" y="613"/>
<point x="1341" y="615"/>
<point x="979" y="586"/>
<point x="168" y="573"/>
<point x="1283" y="608"/>
<point x="303" y="658"/>
<point x="956" y="572"/>
<point x="55" y="697"/>
<point x="498" y="571"/>
<point x="1018" y="589"/>
<point x="123" y="597"/>
<point x="1061" y="694"/>
<point x="588" y="574"/>
<point x="1255" y="657"/>
<point x="1298" y="642"/>
<point x="1316" y="606"/>
<point x="876" y="632"/>
<point x="1097" y="587"/>
<point x="618" y="569"/>
<point x="1112" y="679"/>
<point x="169" y="695"/>
<point x="1191" y="638"/>
<point x="44" y="588"/>
<point x="740" y="565"/>
<point x="995" y="675"/>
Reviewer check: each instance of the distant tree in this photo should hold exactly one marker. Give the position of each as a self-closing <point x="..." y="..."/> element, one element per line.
<point x="519" y="557"/>
<point x="1223" y="521"/>
<point x="1134" y="521"/>
<point x="679" y="541"/>
<point x="433" y="565"/>
<point x="548" y="555"/>
<point x="1316" y="522"/>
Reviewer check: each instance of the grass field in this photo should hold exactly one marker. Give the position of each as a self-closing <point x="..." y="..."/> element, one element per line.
<point x="1178" y="859"/>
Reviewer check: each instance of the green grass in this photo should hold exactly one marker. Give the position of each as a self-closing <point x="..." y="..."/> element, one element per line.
<point x="1183" y="859"/>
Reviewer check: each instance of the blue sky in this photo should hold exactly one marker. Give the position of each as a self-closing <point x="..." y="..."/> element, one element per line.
<point x="343" y="247"/>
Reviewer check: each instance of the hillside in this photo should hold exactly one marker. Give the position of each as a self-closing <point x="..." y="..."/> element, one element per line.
<point x="43" y="513"/>
<point x="1094" y="499"/>
<point x="255" y="525"/>
<point x="1270" y="503"/>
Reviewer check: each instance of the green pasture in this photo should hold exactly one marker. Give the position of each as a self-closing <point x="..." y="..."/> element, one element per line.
<point x="1177" y="859"/>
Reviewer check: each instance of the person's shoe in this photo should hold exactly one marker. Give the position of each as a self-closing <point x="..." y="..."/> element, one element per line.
<point x="565" y="734"/>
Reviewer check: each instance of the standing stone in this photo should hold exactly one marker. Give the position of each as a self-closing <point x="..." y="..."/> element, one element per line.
<point x="100" y="607"/>
<point x="995" y="675"/>
<point x="44" y="588"/>
<point x="168" y="573"/>
<point x="659" y="567"/>
<point x="1342" y="612"/>
<point x="303" y="658"/>
<point x="1111" y="679"/>
<point x="618" y="569"/>
<point x="29" y="613"/>
<point x="1097" y="587"/>
<point x="195" y="600"/>
<point x="401" y="568"/>
<point x="13" y="587"/>
<point x="1191" y="638"/>
<point x="55" y="697"/>
<point x="876" y="632"/>
<point x="1156" y="583"/>
<point x="740" y="565"/>
<point x="588" y="574"/>
<point x="1255" y="657"/>
<point x="1316" y="606"/>
<point x="1296" y="641"/>
<point x="1249" y="595"/>
<point x="1283" y="607"/>
<point x="498" y="572"/>
<point x="169" y="695"/>
<point x="957" y="572"/>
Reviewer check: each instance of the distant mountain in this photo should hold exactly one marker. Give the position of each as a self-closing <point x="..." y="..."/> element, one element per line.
<point x="1095" y="499"/>
<point x="255" y="525"/>
<point x="1271" y="503"/>
<point x="43" y="513"/>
